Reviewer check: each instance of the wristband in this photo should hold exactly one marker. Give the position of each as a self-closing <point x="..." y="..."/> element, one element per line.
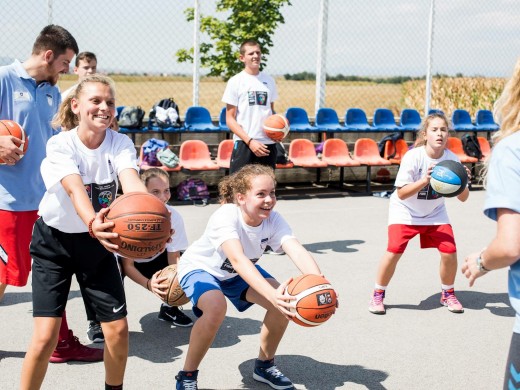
<point x="148" y="287"/>
<point x="249" y="142"/>
<point x="90" y="232"/>
<point x="480" y="265"/>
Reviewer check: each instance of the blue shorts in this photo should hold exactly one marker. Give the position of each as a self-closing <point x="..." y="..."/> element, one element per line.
<point x="198" y="282"/>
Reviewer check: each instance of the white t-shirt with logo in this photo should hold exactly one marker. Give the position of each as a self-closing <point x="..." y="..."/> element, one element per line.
<point x="179" y="239"/>
<point x="252" y="95"/>
<point x="426" y="207"/>
<point x="225" y="224"/>
<point x="98" y="169"/>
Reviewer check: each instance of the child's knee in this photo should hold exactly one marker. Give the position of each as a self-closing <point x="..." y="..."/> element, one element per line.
<point x="115" y="330"/>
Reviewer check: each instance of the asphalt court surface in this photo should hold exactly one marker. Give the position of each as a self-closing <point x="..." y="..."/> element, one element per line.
<point x="417" y="345"/>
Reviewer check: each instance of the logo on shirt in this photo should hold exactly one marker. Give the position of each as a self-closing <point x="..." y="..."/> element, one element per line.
<point x="21" y="96"/>
<point x="226" y="266"/>
<point x="49" y="99"/>
<point x="257" y="98"/>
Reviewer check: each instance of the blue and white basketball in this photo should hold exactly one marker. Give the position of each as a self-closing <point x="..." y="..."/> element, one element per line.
<point x="449" y="178"/>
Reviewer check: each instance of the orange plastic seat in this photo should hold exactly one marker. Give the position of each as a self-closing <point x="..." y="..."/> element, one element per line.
<point x="401" y="147"/>
<point x="335" y="153"/>
<point x="367" y="153"/>
<point x="287" y="165"/>
<point x="485" y="148"/>
<point x="303" y="154"/>
<point x="455" y="145"/>
<point x="225" y="148"/>
<point x="144" y="166"/>
<point x="194" y="155"/>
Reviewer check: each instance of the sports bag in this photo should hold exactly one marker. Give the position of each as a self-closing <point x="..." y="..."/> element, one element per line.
<point x="391" y="137"/>
<point x="165" y="113"/>
<point x="150" y="149"/>
<point x="131" y="117"/>
<point x="471" y="146"/>
<point x="193" y="189"/>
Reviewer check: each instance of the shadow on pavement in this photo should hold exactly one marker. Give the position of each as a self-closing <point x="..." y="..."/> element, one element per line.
<point x="343" y="246"/>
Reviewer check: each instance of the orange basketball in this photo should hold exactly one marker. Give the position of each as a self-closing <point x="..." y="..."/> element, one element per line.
<point x="8" y="127"/>
<point x="316" y="299"/>
<point x="174" y="294"/>
<point x="142" y="222"/>
<point x="276" y="127"/>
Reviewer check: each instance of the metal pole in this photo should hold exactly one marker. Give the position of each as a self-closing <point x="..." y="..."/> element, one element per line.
<point x="321" y="68"/>
<point x="429" y="59"/>
<point x="196" y="54"/>
<point x="49" y="11"/>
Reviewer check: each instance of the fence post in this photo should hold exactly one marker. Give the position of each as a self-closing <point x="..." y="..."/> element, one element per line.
<point x="321" y="68"/>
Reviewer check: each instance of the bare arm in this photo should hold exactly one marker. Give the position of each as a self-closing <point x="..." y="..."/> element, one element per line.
<point x="301" y="257"/>
<point x="503" y="250"/>
<point x="258" y="148"/>
<point x="130" y="181"/>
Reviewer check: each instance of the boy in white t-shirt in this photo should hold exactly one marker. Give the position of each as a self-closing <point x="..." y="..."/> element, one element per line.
<point x="249" y="98"/>
<point x="415" y="208"/>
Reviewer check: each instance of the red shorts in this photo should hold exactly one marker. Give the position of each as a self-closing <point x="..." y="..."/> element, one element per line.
<point x="15" y="237"/>
<point x="432" y="236"/>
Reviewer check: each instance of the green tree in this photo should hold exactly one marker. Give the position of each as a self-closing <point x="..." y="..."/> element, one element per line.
<point x="246" y="19"/>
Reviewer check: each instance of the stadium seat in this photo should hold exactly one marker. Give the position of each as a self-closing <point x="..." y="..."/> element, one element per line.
<point x="366" y="153"/>
<point x="395" y="154"/>
<point x="225" y="148"/>
<point x="299" y="120"/>
<point x="484" y="121"/>
<point x="327" y="120"/>
<point x="455" y="145"/>
<point x="410" y="120"/>
<point x="194" y="155"/>
<point x="222" y="120"/>
<point x="356" y="120"/>
<point x="335" y="153"/>
<point x="462" y="121"/>
<point x="485" y="148"/>
<point x="198" y="119"/>
<point x="384" y="120"/>
<point x="303" y="154"/>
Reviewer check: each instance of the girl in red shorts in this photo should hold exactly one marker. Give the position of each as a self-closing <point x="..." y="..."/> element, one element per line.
<point x="415" y="208"/>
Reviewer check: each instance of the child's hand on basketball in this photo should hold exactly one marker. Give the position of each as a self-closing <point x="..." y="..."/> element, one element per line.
<point x="156" y="286"/>
<point x="284" y="301"/>
<point x="99" y="227"/>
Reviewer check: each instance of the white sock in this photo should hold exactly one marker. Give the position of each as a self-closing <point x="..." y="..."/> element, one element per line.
<point x="446" y="287"/>
<point x="378" y="287"/>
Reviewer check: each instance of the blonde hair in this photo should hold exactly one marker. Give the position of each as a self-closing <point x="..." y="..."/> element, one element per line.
<point x="241" y="181"/>
<point x="65" y="118"/>
<point x="421" y="139"/>
<point x="148" y="174"/>
<point x="507" y="108"/>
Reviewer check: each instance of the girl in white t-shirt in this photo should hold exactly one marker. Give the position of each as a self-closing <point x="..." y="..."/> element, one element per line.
<point x="415" y="208"/>
<point x="222" y="263"/>
<point x="144" y="271"/>
<point x="81" y="174"/>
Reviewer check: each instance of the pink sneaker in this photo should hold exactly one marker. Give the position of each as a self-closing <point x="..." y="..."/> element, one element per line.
<point x="72" y="350"/>
<point x="376" y="305"/>
<point x="449" y="300"/>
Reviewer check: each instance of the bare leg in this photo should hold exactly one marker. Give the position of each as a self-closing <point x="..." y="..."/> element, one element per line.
<point x="44" y="340"/>
<point x="213" y="305"/>
<point x="274" y="325"/>
<point x="116" y="350"/>
<point x="448" y="268"/>
<point x="2" y="291"/>
<point x="387" y="267"/>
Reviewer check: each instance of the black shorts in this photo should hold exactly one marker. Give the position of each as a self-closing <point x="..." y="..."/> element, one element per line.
<point x="151" y="267"/>
<point x="57" y="256"/>
<point x="242" y="155"/>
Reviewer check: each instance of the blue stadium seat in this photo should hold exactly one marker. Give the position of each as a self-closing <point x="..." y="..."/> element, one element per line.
<point x="198" y="119"/>
<point x="327" y="120"/>
<point x="484" y="121"/>
<point x="384" y="120"/>
<point x="222" y="120"/>
<point x="356" y="120"/>
<point x="410" y="120"/>
<point x="462" y="121"/>
<point x="299" y="120"/>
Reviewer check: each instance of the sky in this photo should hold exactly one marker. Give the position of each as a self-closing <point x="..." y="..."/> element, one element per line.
<point x="364" y="37"/>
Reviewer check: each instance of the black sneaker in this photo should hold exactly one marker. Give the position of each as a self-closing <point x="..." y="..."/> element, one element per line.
<point x="94" y="332"/>
<point x="186" y="380"/>
<point x="267" y="372"/>
<point x="174" y="315"/>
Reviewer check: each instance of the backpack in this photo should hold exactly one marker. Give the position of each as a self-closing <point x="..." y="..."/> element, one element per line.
<point x="193" y="189"/>
<point x="471" y="146"/>
<point x="150" y="149"/>
<point x="165" y="113"/>
<point x="391" y="137"/>
<point x="131" y="117"/>
<point x="281" y="154"/>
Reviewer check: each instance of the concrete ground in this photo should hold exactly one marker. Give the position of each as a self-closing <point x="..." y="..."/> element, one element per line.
<point x="417" y="345"/>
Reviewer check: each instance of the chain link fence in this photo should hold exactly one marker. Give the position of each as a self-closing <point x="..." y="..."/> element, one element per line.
<point x="376" y="52"/>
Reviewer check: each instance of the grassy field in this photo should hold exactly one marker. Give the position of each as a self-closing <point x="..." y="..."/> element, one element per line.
<point x="145" y="91"/>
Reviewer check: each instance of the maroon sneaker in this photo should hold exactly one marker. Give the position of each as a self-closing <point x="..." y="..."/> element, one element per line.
<point x="72" y="350"/>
